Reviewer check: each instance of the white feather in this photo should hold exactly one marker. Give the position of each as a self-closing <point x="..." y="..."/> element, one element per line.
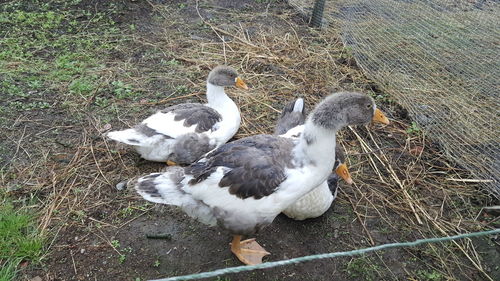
<point x="126" y="135"/>
<point x="231" y="118"/>
<point x="171" y="194"/>
<point x="298" y="105"/>
<point x="164" y="123"/>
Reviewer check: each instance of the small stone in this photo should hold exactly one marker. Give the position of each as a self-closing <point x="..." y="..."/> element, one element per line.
<point x="106" y="127"/>
<point x="121" y="185"/>
<point x="36" y="278"/>
<point x="196" y="37"/>
<point x="82" y="251"/>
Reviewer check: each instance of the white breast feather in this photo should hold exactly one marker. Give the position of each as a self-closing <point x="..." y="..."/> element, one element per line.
<point x="317" y="201"/>
<point x="228" y="126"/>
<point x="312" y="205"/>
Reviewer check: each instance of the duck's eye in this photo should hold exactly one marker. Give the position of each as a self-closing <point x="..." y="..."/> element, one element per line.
<point x="368" y="106"/>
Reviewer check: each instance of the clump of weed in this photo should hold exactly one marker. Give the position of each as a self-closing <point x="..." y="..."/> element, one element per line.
<point x="429" y="275"/>
<point x="20" y="240"/>
<point x="362" y="268"/>
<point x="414" y="129"/>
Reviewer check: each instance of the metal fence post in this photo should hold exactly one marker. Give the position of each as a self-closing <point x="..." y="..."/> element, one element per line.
<point x="317" y="14"/>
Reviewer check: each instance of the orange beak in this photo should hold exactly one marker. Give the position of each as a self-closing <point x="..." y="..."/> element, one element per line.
<point x="241" y="84"/>
<point x="343" y="172"/>
<point x="380" y="117"/>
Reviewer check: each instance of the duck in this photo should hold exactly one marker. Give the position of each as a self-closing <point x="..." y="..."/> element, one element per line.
<point x="243" y="185"/>
<point x="318" y="201"/>
<point x="182" y="133"/>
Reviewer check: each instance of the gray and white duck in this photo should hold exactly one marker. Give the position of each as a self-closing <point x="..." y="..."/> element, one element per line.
<point x="317" y="201"/>
<point x="243" y="185"/>
<point x="182" y="133"/>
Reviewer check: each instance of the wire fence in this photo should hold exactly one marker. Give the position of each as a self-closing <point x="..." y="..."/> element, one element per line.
<point x="440" y="61"/>
<point x="325" y="256"/>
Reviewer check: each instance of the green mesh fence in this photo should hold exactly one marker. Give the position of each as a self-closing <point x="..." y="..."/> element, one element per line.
<point x="439" y="60"/>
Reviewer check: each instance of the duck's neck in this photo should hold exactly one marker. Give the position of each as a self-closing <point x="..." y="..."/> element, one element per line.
<point x="217" y="98"/>
<point x="316" y="147"/>
<point x="231" y="119"/>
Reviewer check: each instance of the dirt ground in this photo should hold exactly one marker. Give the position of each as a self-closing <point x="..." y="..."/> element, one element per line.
<point x="160" y="52"/>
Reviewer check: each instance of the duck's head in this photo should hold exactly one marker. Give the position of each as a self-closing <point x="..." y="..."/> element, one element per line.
<point x="340" y="166"/>
<point x="346" y="108"/>
<point x="225" y="76"/>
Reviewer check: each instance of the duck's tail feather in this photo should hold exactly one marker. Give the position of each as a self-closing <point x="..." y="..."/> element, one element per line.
<point x="298" y="106"/>
<point x="166" y="188"/>
<point x="128" y="136"/>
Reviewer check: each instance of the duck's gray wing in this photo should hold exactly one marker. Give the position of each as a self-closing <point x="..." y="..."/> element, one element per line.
<point x="256" y="165"/>
<point x="190" y="147"/>
<point x="202" y="116"/>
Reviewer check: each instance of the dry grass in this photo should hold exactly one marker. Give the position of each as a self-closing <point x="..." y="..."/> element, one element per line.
<point x="400" y="178"/>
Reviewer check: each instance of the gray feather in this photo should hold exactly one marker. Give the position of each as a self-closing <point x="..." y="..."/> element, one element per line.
<point x="343" y="108"/>
<point x="202" y="116"/>
<point x="222" y="75"/>
<point x="257" y="165"/>
<point x="189" y="148"/>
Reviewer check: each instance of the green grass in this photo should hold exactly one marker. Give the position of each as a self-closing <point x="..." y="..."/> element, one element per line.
<point x="430" y="275"/>
<point x="414" y="129"/>
<point x="8" y="269"/>
<point x="56" y="51"/>
<point x="362" y="269"/>
<point x="19" y="239"/>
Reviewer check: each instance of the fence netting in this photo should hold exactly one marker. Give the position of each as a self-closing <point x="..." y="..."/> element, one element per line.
<point x="439" y="60"/>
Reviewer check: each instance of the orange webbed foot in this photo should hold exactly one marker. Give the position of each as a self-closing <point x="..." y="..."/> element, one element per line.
<point x="248" y="251"/>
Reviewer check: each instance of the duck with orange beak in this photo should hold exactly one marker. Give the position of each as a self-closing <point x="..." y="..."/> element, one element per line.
<point x="243" y="185"/>
<point x="182" y="133"/>
<point x="318" y="201"/>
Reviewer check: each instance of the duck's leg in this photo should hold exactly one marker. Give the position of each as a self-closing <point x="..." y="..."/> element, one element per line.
<point x="171" y="163"/>
<point x="248" y="251"/>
